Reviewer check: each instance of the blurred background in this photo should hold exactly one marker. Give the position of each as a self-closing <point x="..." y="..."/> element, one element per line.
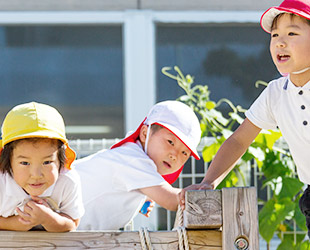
<point x="99" y="62"/>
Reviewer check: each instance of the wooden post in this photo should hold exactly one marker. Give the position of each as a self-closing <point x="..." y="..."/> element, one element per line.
<point x="240" y="218"/>
<point x="234" y="210"/>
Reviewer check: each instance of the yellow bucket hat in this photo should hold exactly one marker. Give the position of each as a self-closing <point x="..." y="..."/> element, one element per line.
<point x="31" y="120"/>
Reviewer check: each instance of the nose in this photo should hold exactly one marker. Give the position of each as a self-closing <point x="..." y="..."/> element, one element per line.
<point x="172" y="156"/>
<point x="281" y="43"/>
<point x="36" y="172"/>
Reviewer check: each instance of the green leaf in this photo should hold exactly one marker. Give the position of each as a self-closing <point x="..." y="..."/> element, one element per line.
<point x="273" y="166"/>
<point x="286" y="244"/>
<point x="229" y="181"/>
<point x="304" y="246"/>
<point x="290" y="187"/>
<point x="271" y="215"/>
<point x="209" y="151"/>
<point x="299" y="217"/>
<point x="210" y="105"/>
<point x="247" y="156"/>
<point x="268" y="138"/>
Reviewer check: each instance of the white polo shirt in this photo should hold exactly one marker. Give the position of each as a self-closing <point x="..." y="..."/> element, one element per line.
<point x="66" y="193"/>
<point x="111" y="180"/>
<point x="287" y="107"/>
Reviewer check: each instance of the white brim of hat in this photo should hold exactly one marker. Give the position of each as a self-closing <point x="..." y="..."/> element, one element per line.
<point x="269" y="15"/>
<point x="183" y="138"/>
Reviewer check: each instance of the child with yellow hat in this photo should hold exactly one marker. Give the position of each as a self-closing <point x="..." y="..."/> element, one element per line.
<point x="38" y="189"/>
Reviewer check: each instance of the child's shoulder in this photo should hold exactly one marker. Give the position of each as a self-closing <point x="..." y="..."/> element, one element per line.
<point x="278" y="83"/>
<point x="68" y="176"/>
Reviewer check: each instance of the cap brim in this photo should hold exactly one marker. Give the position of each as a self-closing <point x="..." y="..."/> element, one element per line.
<point x="69" y="152"/>
<point x="269" y="15"/>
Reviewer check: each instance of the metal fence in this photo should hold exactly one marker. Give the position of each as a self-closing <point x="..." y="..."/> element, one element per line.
<point x="193" y="172"/>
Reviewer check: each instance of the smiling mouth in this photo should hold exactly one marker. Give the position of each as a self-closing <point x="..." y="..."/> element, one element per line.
<point x="36" y="185"/>
<point x="283" y="57"/>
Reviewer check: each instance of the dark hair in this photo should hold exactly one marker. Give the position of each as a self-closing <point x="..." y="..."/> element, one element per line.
<point x="6" y="154"/>
<point x="155" y="128"/>
<point x="292" y="15"/>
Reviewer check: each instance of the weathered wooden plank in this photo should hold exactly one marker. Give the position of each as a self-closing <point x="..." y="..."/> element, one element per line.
<point x="161" y="240"/>
<point x="203" y="209"/>
<point x="240" y="218"/>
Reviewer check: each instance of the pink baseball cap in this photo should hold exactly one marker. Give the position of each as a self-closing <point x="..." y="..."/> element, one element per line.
<point x="180" y="120"/>
<point x="298" y="7"/>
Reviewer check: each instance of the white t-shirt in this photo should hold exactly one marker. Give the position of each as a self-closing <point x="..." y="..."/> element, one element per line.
<point x="110" y="182"/>
<point x="287" y="107"/>
<point x="65" y="193"/>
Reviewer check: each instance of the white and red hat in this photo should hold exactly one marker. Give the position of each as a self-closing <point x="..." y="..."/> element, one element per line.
<point x="180" y="120"/>
<point x="298" y="7"/>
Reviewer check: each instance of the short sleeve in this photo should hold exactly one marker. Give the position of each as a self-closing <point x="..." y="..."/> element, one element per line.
<point x="71" y="200"/>
<point x="260" y="113"/>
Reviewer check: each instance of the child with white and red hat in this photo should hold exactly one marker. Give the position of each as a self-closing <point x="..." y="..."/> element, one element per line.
<point x="117" y="181"/>
<point x="285" y="103"/>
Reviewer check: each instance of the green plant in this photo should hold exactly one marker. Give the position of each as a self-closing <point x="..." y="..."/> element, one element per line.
<point x="271" y="157"/>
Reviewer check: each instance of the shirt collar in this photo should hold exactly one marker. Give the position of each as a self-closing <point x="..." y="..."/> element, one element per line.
<point x="288" y="85"/>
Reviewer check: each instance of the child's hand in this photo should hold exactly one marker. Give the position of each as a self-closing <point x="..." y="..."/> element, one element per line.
<point x="25" y="219"/>
<point x="36" y="212"/>
<point x="201" y="186"/>
<point x="147" y="207"/>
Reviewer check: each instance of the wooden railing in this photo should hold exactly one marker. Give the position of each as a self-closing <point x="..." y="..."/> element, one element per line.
<point x="224" y="219"/>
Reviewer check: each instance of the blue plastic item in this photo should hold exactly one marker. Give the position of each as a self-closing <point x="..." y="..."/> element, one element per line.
<point x="144" y="207"/>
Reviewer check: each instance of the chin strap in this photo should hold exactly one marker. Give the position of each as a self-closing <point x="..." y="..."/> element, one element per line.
<point x="147" y="138"/>
<point x="301" y="71"/>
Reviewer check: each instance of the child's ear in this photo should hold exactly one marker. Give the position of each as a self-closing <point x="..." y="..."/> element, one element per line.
<point x="143" y="133"/>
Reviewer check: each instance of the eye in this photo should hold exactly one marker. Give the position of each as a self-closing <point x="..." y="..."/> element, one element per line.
<point x="292" y="34"/>
<point x="274" y="35"/>
<point x="47" y="162"/>
<point x="24" y="163"/>
<point x="171" y="142"/>
<point x="185" y="153"/>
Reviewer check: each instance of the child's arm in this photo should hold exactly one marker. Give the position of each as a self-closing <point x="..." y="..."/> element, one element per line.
<point x="39" y="213"/>
<point x="226" y="157"/>
<point x="164" y="195"/>
<point x="230" y="152"/>
<point x="13" y="223"/>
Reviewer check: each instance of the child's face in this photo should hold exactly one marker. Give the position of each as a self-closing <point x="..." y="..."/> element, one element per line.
<point x="167" y="151"/>
<point x="35" y="165"/>
<point x="290" y="45"/>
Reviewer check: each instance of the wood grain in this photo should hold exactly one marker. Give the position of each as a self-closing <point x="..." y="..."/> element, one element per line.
<point x="198" y="239"/>
<point x="203" y="209"/>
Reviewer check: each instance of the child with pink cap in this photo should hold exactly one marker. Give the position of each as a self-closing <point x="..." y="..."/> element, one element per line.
<point x="117" y="181"/>
<point x="38" y="188"/>
<point x="284" y="103"/>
